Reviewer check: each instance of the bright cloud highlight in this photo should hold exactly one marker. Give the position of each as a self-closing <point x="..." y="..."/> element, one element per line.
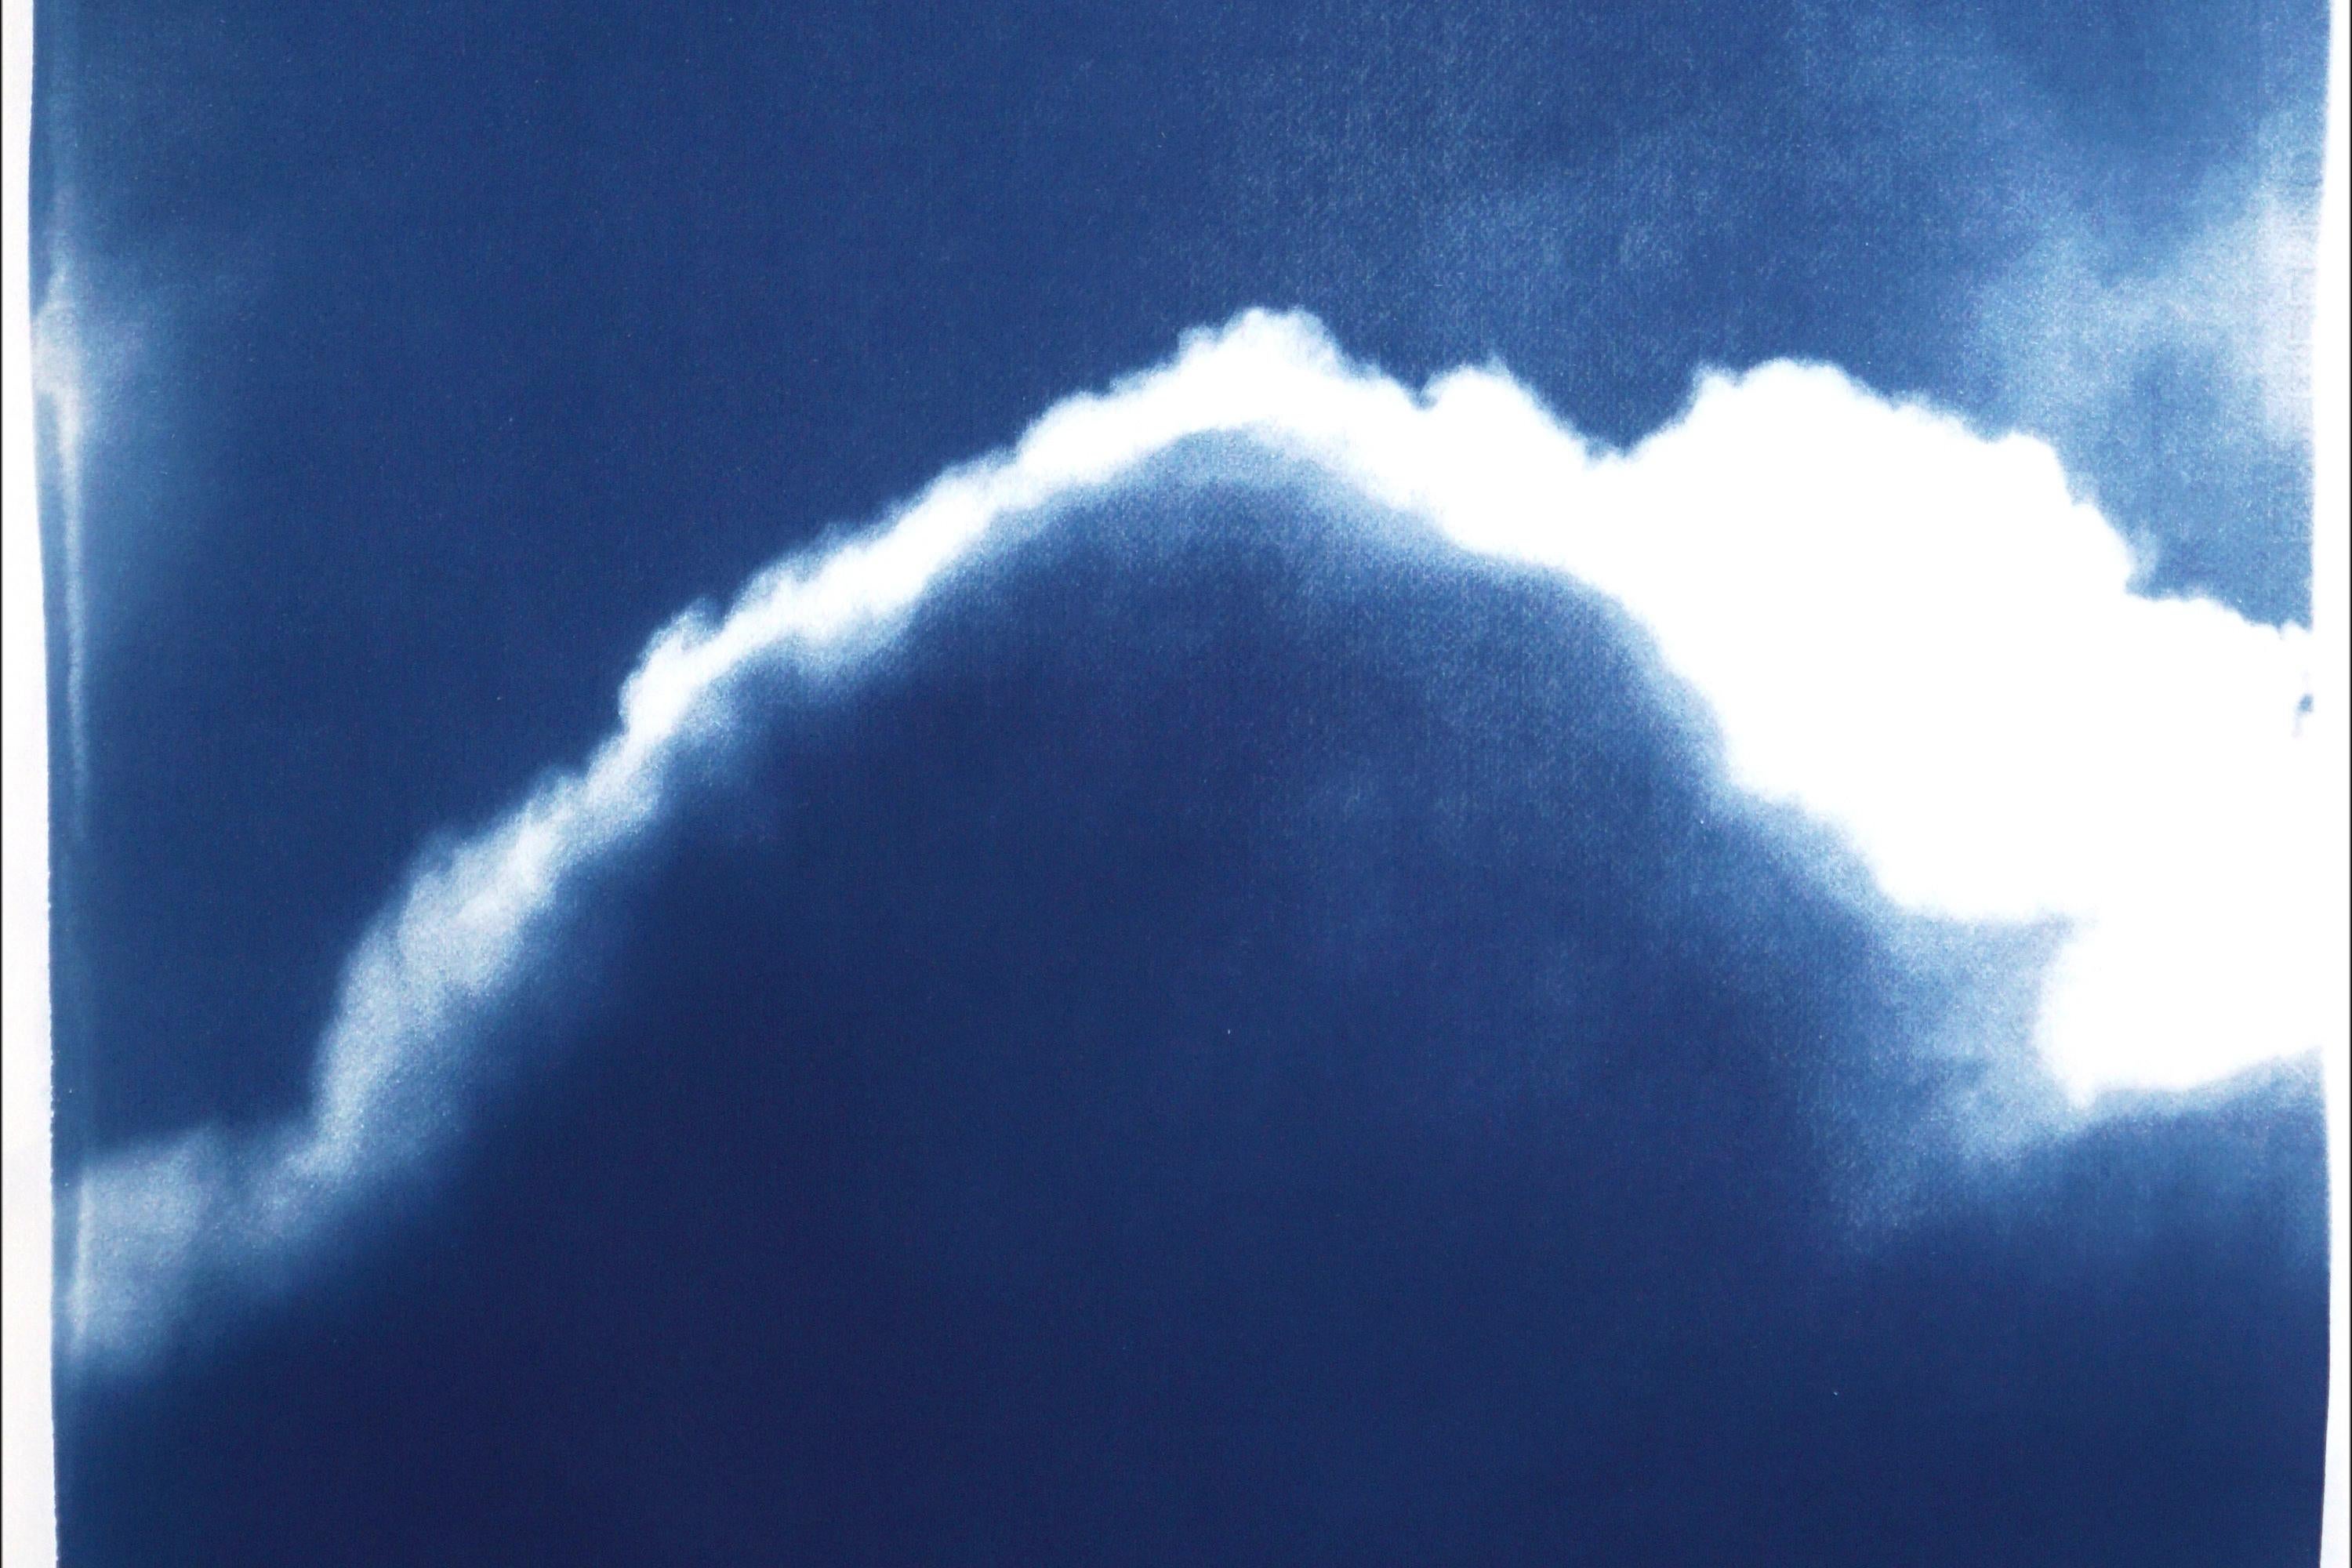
<point x="1913" y="635"/>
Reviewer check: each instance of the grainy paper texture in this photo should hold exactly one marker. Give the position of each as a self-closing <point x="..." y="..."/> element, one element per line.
<point x="1283" y="783"/>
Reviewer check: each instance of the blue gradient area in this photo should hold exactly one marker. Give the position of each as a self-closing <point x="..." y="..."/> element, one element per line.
<point x="1260" y="1051"/>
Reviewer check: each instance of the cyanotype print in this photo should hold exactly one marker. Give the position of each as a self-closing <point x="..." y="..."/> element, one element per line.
<point x="1472" y="782"/>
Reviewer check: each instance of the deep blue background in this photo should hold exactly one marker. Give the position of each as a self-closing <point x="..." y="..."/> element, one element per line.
<point x="441" y="352"/>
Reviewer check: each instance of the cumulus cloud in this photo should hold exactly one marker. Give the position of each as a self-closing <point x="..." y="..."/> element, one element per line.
<point x="1915" y="635"/>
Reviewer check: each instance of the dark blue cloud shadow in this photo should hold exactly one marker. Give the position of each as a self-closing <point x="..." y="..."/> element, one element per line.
<point x="1258" y="1039"/>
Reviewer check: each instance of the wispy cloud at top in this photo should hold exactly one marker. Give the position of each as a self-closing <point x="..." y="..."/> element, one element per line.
<point x="2079" y="323"/>
<point x="2175" y="367"/>
<point x="1917" y="636"/>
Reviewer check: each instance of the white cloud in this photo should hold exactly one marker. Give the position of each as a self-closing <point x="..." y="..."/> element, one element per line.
<point x="1916" y="635"/>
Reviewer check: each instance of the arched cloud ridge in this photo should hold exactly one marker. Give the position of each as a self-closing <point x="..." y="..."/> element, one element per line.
<point x="1916" y="635"/>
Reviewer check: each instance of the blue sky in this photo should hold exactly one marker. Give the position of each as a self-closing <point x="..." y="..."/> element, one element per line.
<point x="1261" y="1005"/>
